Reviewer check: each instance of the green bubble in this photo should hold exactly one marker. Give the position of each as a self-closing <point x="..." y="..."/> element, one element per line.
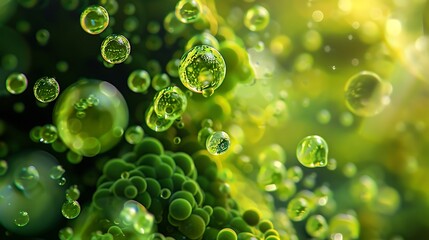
<point x="273" y="152"/>
<point x="226" y="234"/>
<point x="312" y="152"/>
<point x="3" y="167"/>
<point x="170" y="103"/>
<point x="202" y="69"/>
<point x="131" y="24"/>
<point x="135" y="215"/>
<point x="172" y="67"/>
<point x="42" y="37"/>
<point x="270" y="175"/>
<point x="129" y="9"/>
<point x="9" y="62"/>
<point x="349" y="170"/>
<point x="70" y="209"/>
<point x="27" y="178"/>
<point x="66" y="233"/>
<point x="160" y="81"/>
<point x="130" y="192"/>
<point x="364" y="189"/>
<point x="94" y="19"/>
<point x="298" y="209"/>
<point x="155" y="122"/>
<point x="324" y="116"/>
<point x="332" y="164"/>
<point x="172" y="24"/>
<point x="153" y="27"/>
<point x="139" y="81"/>
<point x="203" y="134"/>
<point x="317" y="227"/>
<point x="35" y="133"/>
<point x="153" y="42"/>
<point x="16" y="83"/>
<point x="22" y="219"/>
<point x="345" y="224"/>
<point x="188" y="11"/>
<point x="366" y="94"/>
<point x="388" y="200"/>
<point x="103" y="102"/>
<point x="218" y="143"/>
<point x="134" y="134"/>
<point x="72" y="193"/>
<point x="177" y="140"/>
<point x="46" y="89"/>
<point x="115" y="49"/>
<point x="285" y="189"/>
<point x="74" y="157"/>
<point x="346" y="119"/>
<point x="56" y="172"/>
<point x="48" y="134"/>
<point x="257" y="18"/>
<point x="295" y="173"/>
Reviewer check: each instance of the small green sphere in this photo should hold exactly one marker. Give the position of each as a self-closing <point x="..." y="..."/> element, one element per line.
<point x="56" y="172"/>
<point x="188" y="11"/>
<point x="46" y="89"/>
<point x="72" y="193"/>
<point x="298" y="209"/>
<point x="70" y="209"/>
<point x="66" y="233"/>
<point x="257" y="18"/>
<point x="202" y="69"/>
<point x="317" y="227"/>
<point x="226" y="234"/>
<point x="3" y="167"/>
<point x="16" y="83"/>
<point x="345" y="224"/>
<point x="48" y="134"/>
<point x="312" y="152"/>
<point x="115" y="49"/>
<point x="155" y="122"/>
<point x="42" y="37"/>
<point x="180" y="209"/>
<point x="139" y="81"/>
<point x="134" y="134"/>
<point x="218" y="143"/>
<point x="366" y="94"/>
<point x="27" y="178"/>
<point x="94" y="19"/>
<point x="160" y="81"/>
<point x="22" y="219"/>
<point x="170" y="102"/>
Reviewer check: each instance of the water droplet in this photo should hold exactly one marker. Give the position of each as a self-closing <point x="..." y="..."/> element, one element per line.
<point x="22" y="219"/>
<point x="70" y="209"/>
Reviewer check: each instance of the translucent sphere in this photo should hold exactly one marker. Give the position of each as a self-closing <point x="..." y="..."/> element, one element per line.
<point x="139" y="81"/>
<point x="27" y="178"/>
<point x="188" y="11"/>
<point x="366" y="94"/>
<point x="160" y="81"/>
<point x="155" y="122"/>
<point x="298" y="209"/>
<point x="115" y="49"/>
<point x="170" y="102"/>
<point x="48" y="134"/>
<point x="257" y="18"/>
<point x="202" y="69"/>
<point x="134" y="134"/>
<point x="22" y="219"/>
<point x="16" y="83"/>
<point x="312" y="152"/>
<point x="345" y="224"/>
<point x="94" y="19"/>
<point x="218" y="143"/>
<point x="46" y="89"/>
<point x="91" y="116"/>
<point x="136" y="216"/>
<point x="70" y="209"/>
<point x="317" y="227"/>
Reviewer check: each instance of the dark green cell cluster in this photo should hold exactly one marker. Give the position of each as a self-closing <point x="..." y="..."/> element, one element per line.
<point x="183" y="193"/>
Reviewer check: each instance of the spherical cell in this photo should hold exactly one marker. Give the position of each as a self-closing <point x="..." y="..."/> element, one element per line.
<point x="139" y="81"/>
<point x="180" y="209"/>
<point x="345" y="224"/>
<point x="226" y="234"/>
<point x="155" y="122"/>
<point x="298" y="209"/>
<point x="188" y="11"/>
<point x="16" y="83"/>
<point x="71" y="209"/>
<point x="316" y="226"/>
<point x="46" y="89"/>
<point x="48" y="134"/>
<point x="312" y="152"/>
<point x="202" y="69"/>
<point x="94" y="19"/>
<point x="103" y="123"/>
<point x="22" y="219"/>
<point x="218" y="143"/>
<point x="257" y="18"/>
<point x="366" y="94"/>
<point x="251" y="217"/>
<point x="170" y="102"/>
<point x="134" y="134"/>
<point x="27" y="178"/>
<point x="115" y="49"/>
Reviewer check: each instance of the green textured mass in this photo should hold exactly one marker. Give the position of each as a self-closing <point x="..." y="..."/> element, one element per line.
<point x="202" y="69"/>
<point x="115" y="49"/>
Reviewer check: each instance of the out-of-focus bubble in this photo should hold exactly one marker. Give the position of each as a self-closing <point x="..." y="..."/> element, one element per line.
<point x="139" y="81"/>
<point x="136" y="216"/>
<point x="16" y="83"/>
<point x="70" y="209"/>
<point x="188" y="11"/>
<point x="134" y="134"/>
<point x="316" y="226"/>
<point x="346" y="225"/>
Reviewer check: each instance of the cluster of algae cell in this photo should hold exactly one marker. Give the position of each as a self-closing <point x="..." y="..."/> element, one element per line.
<point x="173" y="143"/>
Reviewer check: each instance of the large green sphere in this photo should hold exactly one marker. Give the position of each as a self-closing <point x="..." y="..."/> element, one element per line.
<point x="91" y="116"/>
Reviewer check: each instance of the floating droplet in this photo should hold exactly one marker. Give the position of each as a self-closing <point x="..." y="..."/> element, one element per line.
<point x="312" y="152"/>
<point x="56" y="172"/>
<point x="22" y="219"/>
<point x="27" y="178"/>
<point x="188" y="11"/>
<point x="66" y="233"/>
<point x="170" y="103"/>
<point x="115" y="49"/>
<point x="218" y="143"/>
<point x="202" y="69"/>
<point x="317" y="227"/>
<point x="94" y="19"/>
<point x="70" y="209"/>
<point x="134" y="134"/>
<point x="72" y="193"/>
<point x="257" y="18"/>
<point x="48" y="134"/>
<point x="346" y="225"/>
<point x="16" y="83"/>
<point x="46" y="89"/>
<point x="297" y="209"/>
<point x="139" y="81"/>
<point x="135" y="215"/>
<point x="155" y="122"/>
